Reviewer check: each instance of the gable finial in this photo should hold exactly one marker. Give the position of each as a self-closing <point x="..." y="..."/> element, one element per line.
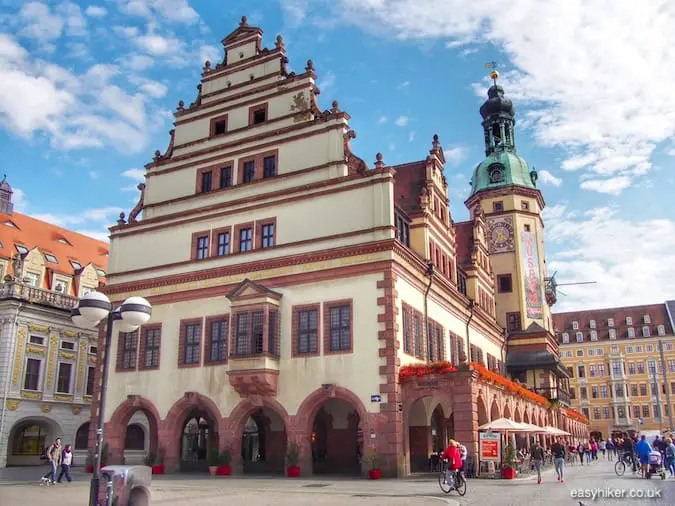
<point x="244" y="21"/>
<point x="494" y="75"/>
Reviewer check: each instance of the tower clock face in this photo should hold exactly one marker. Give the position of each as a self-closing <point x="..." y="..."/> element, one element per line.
<point x="502" y="235"/>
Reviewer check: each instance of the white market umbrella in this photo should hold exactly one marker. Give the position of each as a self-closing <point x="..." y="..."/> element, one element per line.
<point x="555" y="431"/>
<point x="503" y="425"/>
<point x="534" y="429"/>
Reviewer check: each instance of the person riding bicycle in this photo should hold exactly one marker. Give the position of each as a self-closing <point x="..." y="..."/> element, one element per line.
<point x="454" y="458"/>
<point x="629" y="452"/>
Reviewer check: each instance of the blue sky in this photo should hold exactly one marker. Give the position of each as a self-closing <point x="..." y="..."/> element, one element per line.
<point x="88" y="89"/>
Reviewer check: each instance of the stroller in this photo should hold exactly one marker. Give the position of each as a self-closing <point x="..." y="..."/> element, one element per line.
<point x="655" y="466"/>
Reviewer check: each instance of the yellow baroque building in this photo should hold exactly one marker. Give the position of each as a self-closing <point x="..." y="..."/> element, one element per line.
<point x="620" y="379"/>
<point x="298" y="291"/>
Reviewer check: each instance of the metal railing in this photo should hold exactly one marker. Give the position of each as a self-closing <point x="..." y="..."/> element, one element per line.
<point x="555" y="393"/>
<point x="13" y="290"/>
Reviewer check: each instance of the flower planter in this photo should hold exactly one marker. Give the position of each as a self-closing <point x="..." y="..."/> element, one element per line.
<point x="224" y="471"/>
<point x="374" y="474"/>
<point x="89" y="469"/>
<point x="293" y="471"/>
<point x="508" y="473"/>
<point x="157" y="469"/>
<point x="213" y="470"/>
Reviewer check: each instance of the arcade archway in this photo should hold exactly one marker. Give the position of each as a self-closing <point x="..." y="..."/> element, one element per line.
<point x="199" y="436"/>
<point x="263" y="442"/>
<point x="337" y="439"/>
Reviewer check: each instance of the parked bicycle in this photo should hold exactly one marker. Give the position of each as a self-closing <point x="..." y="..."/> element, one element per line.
<point x="623" y="462"/>
<point x="459" y="482"/>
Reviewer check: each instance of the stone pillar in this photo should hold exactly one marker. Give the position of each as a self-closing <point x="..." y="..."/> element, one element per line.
<point x="465" y="410"/>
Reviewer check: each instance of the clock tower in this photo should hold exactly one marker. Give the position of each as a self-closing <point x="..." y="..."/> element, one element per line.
<point x="504" y="189"/>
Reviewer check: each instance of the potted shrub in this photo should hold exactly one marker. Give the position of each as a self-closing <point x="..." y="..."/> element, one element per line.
<point x="214" y="456"/>
<point x="509" y="464"/>
<point x="292" y="460"/>
<point x="158" y="462"/>
<point x="224" y="460"/>
<point x="374" y="473"/>
<point x="89" y="463"/>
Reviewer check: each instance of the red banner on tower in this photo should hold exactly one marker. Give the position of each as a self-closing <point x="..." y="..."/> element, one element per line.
<point x="533" y="288"/>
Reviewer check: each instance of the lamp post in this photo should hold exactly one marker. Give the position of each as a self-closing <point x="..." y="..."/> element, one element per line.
<point x="89" y="313"/>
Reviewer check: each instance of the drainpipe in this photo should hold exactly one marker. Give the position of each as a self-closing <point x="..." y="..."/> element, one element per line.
<point x="13" y="332"/>
<point x="502" y="369"/>
<point x="430" y="274"/>
<point x="468" y="322"/>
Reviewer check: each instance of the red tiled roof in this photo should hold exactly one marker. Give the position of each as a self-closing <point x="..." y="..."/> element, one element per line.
<point x="30" y="233"/>
<point x="464" y="242"/>
<point x="408" y="185"/>
<point x="562" y="322"/>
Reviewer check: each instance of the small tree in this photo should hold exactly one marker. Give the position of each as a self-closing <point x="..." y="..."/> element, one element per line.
<point x="149" y="459"/>
<point x="510" y="456"/>
<point x="159" y="458"/>
<point x="225" y="457"/>
<point x="293" y="454"/>
<point x="214" y="457"/>
<point x="373" y="459"/>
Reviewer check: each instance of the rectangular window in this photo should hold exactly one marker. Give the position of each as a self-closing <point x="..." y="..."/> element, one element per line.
<point x="206" y="181"/>
<point x="580" y="337"/>
<point x="219" y="127"/>
<point x="661" y="330"/>
<point x="257" y="331"/>
<point x="63" y="378"/>
<point x="583" y="392"/>
<point x="631" y="368"/>
<point x="610" y="322"/>
<point x="650" y="348"/>
<point x="671" y="365"/>
<point x="202" y="247"/>
<point x="580" y="353"/>
<point x="616" y="369"/>
<point x="37" y="340"/>
<point x="407" y="331"/>
<point x="605" y="412"/>
<point x="573" y="393"/>
<point x="603" y="391"/>
<point x="242" y="338"/>
<point x="340" y="319"/>
<point x="643" y="390"/>
<point x="591" y="370"/>
<point x="612" y="333"/>
<point x="402" y="230"/>
<point x="513" y="322"/>
<point x="581" y="371"/>
<point x="592" y="324"/>
<point x="656" y="410"/>
<point x="527" y="229"/>
<point x="218" y="334"/>
<point x="596" y="413"/>
<point x="417" y="336"/>
<point x="647" y="319"/>
<point x="259" y="115"/>
<point x="223" y="244"/>
<point x="31" y="380"/>
<point x="273" y="345"/>
<point x="67" y="345"/>
<point x="249" y="171"/>
<point x="565" y="338"/>
<point x="504" y="283"/>
<point x="498" y="206"/>
<point x="601" y="369"/>
<point x="267" y="234"/>
<point x="191" y="348"/>
<point x="651" y="367"/>
<point x="91" y="378"/>
<point x="645" y="331"/>
<point x="308" y="331"/>
<point x="246" y="239"/>
<point x="594" y="391"/>
<point x="152" y="344"/>
<point x="226" y="177"/>
<point x="641" y="367"/>
<point x="269" y="166"/>
<point x="575" y="325"/>
<point x="594" y="335"/>
<point x="618" y="390"/>
<point x="129" y="346"/>
<point x="645" y="411"/>
<point x="524" y="205"/>
<point x="629" y="321"/>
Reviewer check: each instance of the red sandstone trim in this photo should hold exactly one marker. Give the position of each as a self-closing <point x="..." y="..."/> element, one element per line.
<point x="237" y="233"/>
<point x="259" y="231"/>
<point x="194" y="243"/>
<point x="294" y="330"/>
<point x="257" y="108"/>
<point x="212" y="125"/>
<point x="231" y="68"/>
<point x="257" y="159"/>
<point x="198" y="180"/>
<point x="214" y="240"/>
<point x="142" y="347"/>
<point x="207" y="341"/>
<point x="182" y="338"/>
<point x="327" y="306"/>
<point x="239" y="86"/>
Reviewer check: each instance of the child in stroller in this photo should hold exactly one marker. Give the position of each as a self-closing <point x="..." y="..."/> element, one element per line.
<point x="655" y="466"/>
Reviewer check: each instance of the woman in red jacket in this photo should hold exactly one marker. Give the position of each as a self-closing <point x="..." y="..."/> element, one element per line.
<point x="454" y="459"/>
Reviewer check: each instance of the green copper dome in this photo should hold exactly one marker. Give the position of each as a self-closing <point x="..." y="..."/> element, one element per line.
<point x="502" y="168"/>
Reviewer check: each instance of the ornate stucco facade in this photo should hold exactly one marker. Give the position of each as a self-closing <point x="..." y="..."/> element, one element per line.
<point x="292" y="284"/>
<point x="46" y="364"/>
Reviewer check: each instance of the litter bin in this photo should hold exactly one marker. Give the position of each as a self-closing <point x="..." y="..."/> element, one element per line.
<point x="125" y="486"/>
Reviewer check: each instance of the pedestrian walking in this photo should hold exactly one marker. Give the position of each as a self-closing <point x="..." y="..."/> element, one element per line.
<point x="558" y="451"/>
<point x="603" y="446"/>
<point x="53" y="455"/>
<point x="538" y="459"/>
<point x="66" y="462"/>
<point x="594" y="449"/>
<point x="580" y="450"/>
<point x="670" y="456"/>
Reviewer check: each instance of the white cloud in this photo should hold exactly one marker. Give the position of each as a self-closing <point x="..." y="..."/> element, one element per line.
<point x="126" y="31"/>
<point x="93" y="175"/>
<point x="401" y="121"/>
<point x="404" y="85"/>
<point x="99" y="235"/>
<point x="547" y="178"/>
<point x="95" y="11"/>
<point x="138" y="62"/>
<point x="103" y="215"/>
<point x="294" y="11"/>
<point x="135" y="174"/>
<point x="382" y="120"/>
<point x="560" y="86"/>
<point x="411" y="136"/>
<point x="455" y="156"/>
<point x="39" y="22"/>
<point x="76" y="24"/>
<point x="613" y="186"/>
<point x="152" y="88"/>
<point x="630" y="260"/>
<point x="157" y="45"/>
<point x="671" y="152"/>
<point x="327" y="83"/>
<point x="170" y="10"/>
<point x="210" y="53"/>
<point x="19" y="200"/>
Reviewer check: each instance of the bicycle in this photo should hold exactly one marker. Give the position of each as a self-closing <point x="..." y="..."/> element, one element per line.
<point x="620" y="466"/>
<point x="459" y="482"/>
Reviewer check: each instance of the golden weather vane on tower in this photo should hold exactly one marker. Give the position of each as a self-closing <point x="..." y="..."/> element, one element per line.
<point x="494" y="75"/>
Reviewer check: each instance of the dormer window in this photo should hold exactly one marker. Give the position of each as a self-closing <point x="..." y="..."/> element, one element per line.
<point x="21" y="249"/>
<point x="575" y="325"/>
<point x="76" y="265"/>
<point x="63" y="241"/>
<point x="661" y="330"/>
<point x="631" y="332"/>
<point x="612" y="333"/>
<point x="645" y="331"/>
<point x="592" y="324"/>
<point x="10" y="224"/>
<point x="580" y="337"/>
<point x="51" y="258"/>
<point x="402" y="229"/>
<point x="594" y="335"/>
<point x="647" y="319"/>
<point x="100" y="272"/>
<point x="629" y="321"/>
<point x="610" y="322"/>
<point x="565" y="338"/>
<point x="61" y="286"/>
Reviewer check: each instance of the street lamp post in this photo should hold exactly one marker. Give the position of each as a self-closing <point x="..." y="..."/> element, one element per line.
<point x="90" y="311"/>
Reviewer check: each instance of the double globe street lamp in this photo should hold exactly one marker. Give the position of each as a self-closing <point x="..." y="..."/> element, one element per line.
<point x="91" y="310"/>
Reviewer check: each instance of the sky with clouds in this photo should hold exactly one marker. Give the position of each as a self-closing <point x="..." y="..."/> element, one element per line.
<point x="88" y="89"/>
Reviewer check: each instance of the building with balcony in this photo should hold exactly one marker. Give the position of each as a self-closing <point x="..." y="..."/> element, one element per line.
<point x="301" y="295"/>
<point x="46" y="364"/>
<point x="619" y="379"/>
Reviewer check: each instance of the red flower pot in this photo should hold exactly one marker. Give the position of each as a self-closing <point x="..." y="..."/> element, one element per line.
<point x="508" y="473"/>
<point x="158" y="469"/>
<point x="224" y="471"/>
<point x="293" y="472"/>
<point x="374" y="474"/>
<point x="89" y="469"/>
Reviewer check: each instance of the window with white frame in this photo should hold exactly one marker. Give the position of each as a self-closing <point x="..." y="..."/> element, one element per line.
<point x="575" y="325"/>
<point x="591" y="352"/>
<point x="614" y="348"/>
<point x="93" y="349"/>
<point x="661" y="330"/>
<point x="645" y="331"/>
<point x="67" y="345"/>
<point x="594" y="335"/>
<point x="629" y="349"/>
<point x="64" y="377"/>
<point x="37" y="339"/>
<point x="580" y="353"/>
<point x="568" y="354"/>
<point x="631" y="332"/>
<point x="612" y="333"/>
<point x="629" y="320"/>
<point x="32" y="279"/>
<point x="565" y="338"/>
<point x="638" y="348"/>
<point x="60" y="286"/>
<point x="580" y="337"/>
<point x="592" y="324"/>
<point x="647" y="318"/>
<point x="669" y="347"/>
<point x="650" y="348"/>
<point x="610" y="322"/>
<point x="599" y="351"/>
